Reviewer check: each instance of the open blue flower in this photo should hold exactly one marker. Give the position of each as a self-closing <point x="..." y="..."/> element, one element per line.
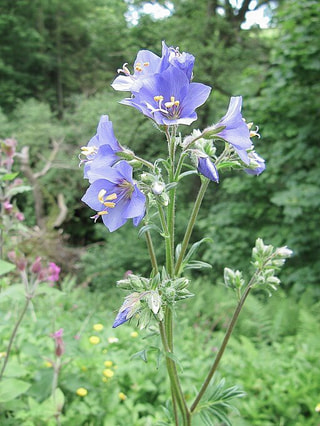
<point x="115" y="197"/>
<point x="172" y="56"/>
<point x="146" y="64"/>
<point x="234" y="130"/>
<point x="169" y="98"/>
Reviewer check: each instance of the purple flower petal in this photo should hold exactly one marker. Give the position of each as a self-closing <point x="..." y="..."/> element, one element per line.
<point x="257" y="162"/>
<point x="115" y="197"/>
<point x="121" y="318"/>
<point x="94" y="169"/>
<point x="208" y="169"/>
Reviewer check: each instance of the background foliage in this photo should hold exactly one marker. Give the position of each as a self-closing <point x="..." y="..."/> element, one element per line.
<point x="57" y="60"/>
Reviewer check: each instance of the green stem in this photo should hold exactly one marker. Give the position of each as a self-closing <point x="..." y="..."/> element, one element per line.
<point x="169" y="327"/>
<point x="223" y="347"/>
<point x="13" y="335"/>
<point x="152" y="253"/>
<point x="174" y="379"/>
<point x="192" y="220"/>
<point x="144" y="162"/>
<point x="165" y="229"/>
<point x="172" y="202"/>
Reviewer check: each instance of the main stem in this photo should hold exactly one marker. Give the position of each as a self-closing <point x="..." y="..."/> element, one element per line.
<point x="174" y="379"/>
<point x="222" y="348"/>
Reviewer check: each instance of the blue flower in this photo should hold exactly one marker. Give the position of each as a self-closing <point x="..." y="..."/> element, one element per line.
<point x="102" y="148"/>
<point x="169" y="98"/>
<point x="145" y="65"/>
<point x="257" y="164"/>
<point x="172" y="56"/>
<point x="115" y="197"/>
<point x="148" y="64"/>
<point x="234" y="130"/>
<point x="207" y="168"/>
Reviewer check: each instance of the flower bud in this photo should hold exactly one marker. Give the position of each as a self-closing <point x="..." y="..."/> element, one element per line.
<point x="157" y="187"/>
<point x="284" y="252"/>
<point x="36" y="266"/>
<point x="59" y="344"/>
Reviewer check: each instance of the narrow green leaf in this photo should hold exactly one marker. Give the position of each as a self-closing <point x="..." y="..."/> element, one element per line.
<point x="9" y="176"/>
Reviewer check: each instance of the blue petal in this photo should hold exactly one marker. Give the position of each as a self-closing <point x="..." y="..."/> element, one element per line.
<point x="95" y="169"/>
<point x="121" y="318"/>
<point x="137" y="205"/>
<point x="91" y="195"/>
<point x="208" y="169"/>
<point x="105" y="134"/>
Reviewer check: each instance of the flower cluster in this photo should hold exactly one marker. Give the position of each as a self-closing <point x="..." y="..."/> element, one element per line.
<point x="112" y="194"/>
<point x="161" y="87"/>
<point x="236" y="133"/>
<point x="163" y="90"/>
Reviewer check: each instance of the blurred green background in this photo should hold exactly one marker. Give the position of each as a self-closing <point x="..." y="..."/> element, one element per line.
<point x="57" y="61"/>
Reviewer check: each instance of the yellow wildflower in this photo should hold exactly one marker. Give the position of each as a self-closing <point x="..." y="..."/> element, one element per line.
<point x="98" y="327"/>
<point x="134" y="334"/>
<point x="48" y="364"/>
<point x="108" y="373"/>
<point x="84" y="368"/>
<point x="3" y="354"/>
<point x="94" y="340"/>
<point x="122" y="396"/>
<point x="104" y="379"/>
<point x="108" y="364"/>
<point x="82" y="391"/>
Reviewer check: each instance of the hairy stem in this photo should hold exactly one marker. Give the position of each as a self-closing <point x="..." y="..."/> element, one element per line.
<point x="223" y="347"/>
<point x="174" y="380"/>
<point x="151" y="251"/>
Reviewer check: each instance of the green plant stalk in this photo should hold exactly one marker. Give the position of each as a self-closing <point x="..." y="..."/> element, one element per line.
<point x="56" y="371"/>
<point x="169" y="256"/>
<point x="223" y="345"/>
<point x="172" y="202"/>
<point x="13" y="335"/>
<point x="191" y="223"/>
<point x="174" y="380"/>
<point x="152" y="253"/>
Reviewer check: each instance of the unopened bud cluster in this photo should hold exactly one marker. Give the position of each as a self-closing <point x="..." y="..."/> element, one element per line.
<point x="267" y="261"/>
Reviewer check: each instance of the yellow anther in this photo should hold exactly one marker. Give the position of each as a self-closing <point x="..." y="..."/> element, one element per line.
<point x="172" y="102"/>
<point x="112" y="196"/>
<point x="101" y="194"/>
<point x="158" y="98"/>
<point x="146" y="64"/>
<point x="103" y="212"/>
<point x="109" y="204"/>
<point x="106" y="200"/>
<point x="138" y="67"/>
<point x="89" y="150"/>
